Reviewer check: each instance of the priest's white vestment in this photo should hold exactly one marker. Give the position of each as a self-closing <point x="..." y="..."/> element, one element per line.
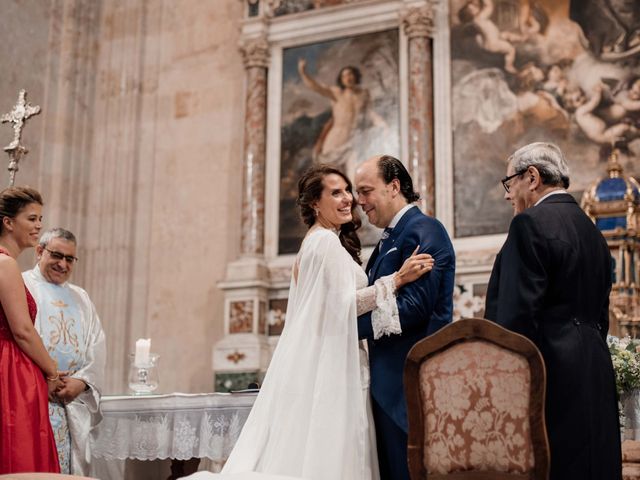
<point x="72" y="333"/>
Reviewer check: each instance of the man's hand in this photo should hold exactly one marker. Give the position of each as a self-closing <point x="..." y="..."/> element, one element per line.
<point x="53" y="385"/>
<point x="70" y="389"/>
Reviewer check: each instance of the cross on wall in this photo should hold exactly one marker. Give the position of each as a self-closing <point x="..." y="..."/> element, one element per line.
<point x="18" y="116"/>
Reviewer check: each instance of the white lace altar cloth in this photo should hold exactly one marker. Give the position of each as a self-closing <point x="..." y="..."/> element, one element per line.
<point x="178" y="426"/>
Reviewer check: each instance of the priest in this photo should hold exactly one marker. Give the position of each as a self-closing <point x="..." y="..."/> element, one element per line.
<point x="71" y="331"/>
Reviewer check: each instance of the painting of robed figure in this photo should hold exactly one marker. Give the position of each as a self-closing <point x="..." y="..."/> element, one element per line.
<point x="340" y="105"/>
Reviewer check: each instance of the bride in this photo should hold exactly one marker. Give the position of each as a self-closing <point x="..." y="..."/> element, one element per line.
<point x="312" y="417"/>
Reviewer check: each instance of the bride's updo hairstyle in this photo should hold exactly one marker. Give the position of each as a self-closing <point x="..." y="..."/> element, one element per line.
<point x="310" y="188"/>
<point x="14" y="199"/>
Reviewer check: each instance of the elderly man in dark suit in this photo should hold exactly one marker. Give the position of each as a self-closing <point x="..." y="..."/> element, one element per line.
<point x="385" y="193"/>
<point x="551" y="282"/>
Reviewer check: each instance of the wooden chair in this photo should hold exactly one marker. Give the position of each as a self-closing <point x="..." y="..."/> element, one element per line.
<point x="475" y="399"/>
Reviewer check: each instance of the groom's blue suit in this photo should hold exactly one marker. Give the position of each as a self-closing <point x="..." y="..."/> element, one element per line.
<point x="424" y="306"/>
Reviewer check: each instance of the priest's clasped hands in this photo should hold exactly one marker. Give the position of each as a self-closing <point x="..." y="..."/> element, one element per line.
<point x="63" y="388"/>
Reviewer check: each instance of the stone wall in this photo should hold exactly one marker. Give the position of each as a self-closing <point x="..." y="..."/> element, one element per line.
<point x="139" y="151"/>
<point x="24" y="57"/>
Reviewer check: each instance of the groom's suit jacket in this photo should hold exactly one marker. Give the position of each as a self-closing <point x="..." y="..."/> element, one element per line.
<point x="424" y="305"/>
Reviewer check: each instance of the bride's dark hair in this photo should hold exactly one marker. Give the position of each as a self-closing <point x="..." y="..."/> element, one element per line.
<point x="310" y="188"/>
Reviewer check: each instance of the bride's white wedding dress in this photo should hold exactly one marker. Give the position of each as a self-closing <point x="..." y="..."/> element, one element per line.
<point x="312" y="417"/>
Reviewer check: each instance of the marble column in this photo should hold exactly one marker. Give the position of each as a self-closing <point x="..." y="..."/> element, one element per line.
<point x="241" y="356"/>
<point x="418" y="26"/>
<point x="255" y="54"/>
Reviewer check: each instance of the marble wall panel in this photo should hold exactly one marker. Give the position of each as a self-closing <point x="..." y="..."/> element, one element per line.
<point x="276" y="315"/>
<point x="241" y="316"/>
<point x="262" y="318"/>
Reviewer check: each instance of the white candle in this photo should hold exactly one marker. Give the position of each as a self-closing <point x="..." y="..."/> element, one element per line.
<point x="143" y="347"/>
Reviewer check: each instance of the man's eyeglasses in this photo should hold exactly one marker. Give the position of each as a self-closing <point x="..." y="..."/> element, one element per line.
<point x="59" y="256"/>
<point x="505" y="180"/>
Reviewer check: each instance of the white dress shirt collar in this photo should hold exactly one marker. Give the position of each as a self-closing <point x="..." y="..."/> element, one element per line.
<point x="554" y="192"/>
<point x="398" y="216"/>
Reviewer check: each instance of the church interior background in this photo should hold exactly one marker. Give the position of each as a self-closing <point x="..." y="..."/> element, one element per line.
<point x="171" y="134"/>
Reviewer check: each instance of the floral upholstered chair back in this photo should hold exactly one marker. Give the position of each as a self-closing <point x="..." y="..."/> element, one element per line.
<point x="475" y="394"/>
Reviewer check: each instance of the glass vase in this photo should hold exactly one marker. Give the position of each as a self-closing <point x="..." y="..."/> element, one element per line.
<point x="143" y="376"/>
<point x="630" y="415"/>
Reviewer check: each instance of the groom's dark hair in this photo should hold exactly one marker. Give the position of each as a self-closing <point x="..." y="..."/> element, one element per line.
<point x="391" y="168"/>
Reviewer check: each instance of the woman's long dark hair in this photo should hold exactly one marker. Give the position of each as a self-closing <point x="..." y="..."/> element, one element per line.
<point x="310" y="188"/>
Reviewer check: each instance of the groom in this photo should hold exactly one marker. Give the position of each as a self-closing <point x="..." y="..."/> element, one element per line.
<point x="385" y="193"/>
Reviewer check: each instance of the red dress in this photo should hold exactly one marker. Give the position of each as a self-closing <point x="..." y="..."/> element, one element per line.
<point x="26" y="438"/>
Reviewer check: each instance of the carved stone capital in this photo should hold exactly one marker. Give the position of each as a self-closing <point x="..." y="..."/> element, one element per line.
<point x="255" y="52"/>
<point x="418" y="21"/>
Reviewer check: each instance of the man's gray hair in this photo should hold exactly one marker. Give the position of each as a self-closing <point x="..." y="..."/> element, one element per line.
<point x="57" y="233"/>
<point x="547" y="158"/>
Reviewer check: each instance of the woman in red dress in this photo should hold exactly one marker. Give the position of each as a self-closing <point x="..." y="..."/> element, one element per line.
<point x="27" y="372"/>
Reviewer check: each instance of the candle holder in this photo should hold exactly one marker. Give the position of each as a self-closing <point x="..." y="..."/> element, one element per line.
<point x="143" y="376"/>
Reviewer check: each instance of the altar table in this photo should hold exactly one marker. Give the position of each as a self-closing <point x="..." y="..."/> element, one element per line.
<point x="177" y="426"/>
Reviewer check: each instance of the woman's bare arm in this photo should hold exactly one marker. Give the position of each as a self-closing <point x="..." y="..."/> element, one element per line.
<point x="14" y="304"/>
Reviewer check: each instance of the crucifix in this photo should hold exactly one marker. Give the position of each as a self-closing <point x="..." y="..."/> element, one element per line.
<point x="18" y="116"/>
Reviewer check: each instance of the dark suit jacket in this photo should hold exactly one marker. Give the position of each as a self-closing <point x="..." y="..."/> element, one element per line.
<point x="551" y="283"/>
<point x="424" y="305"/>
